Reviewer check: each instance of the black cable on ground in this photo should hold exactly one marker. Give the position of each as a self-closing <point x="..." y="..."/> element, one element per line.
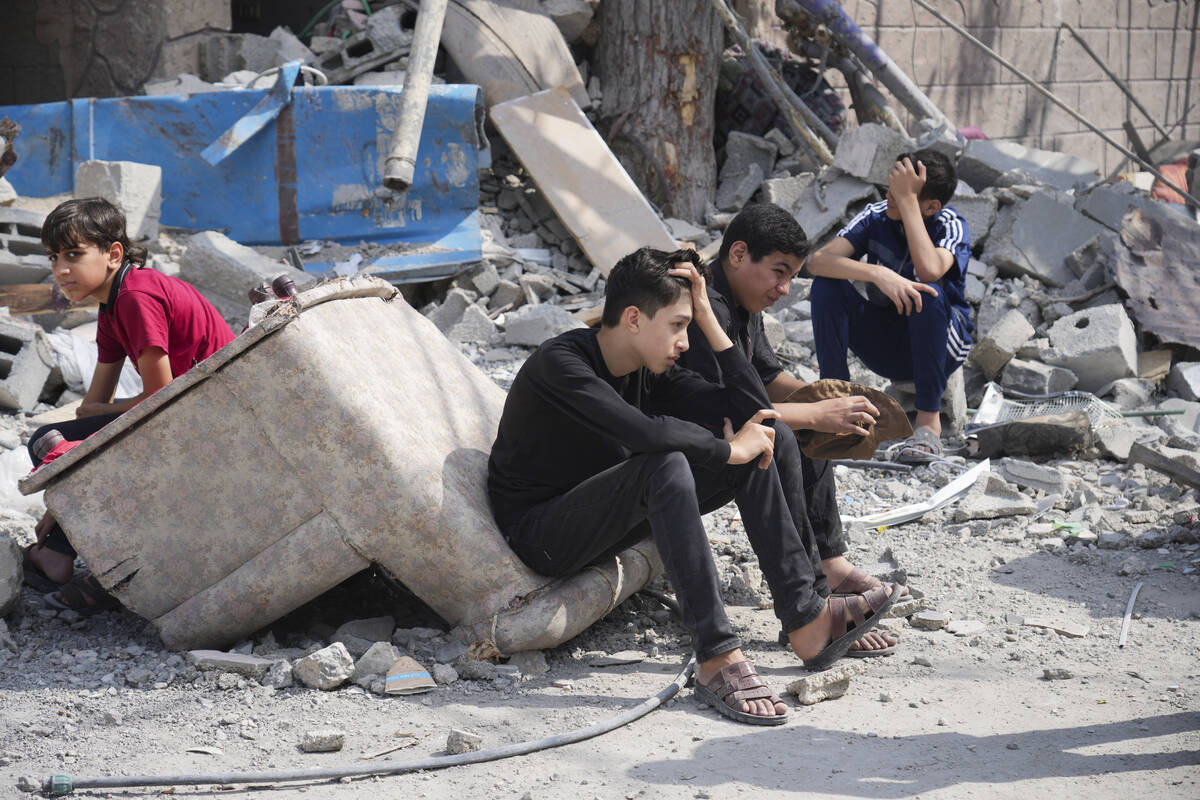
<point x="58" y="785"/>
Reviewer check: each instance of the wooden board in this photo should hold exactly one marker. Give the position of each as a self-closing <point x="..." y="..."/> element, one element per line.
<point x="25" y="299"/>
<point x="509" y="49"/>
<point x="579" y="176"/>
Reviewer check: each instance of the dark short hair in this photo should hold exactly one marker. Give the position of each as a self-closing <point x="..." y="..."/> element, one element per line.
<point x="89" y="220"/>
<point x="941" y="179"/>
<point x="642" y="279"/>
<point x="765" y="228"/>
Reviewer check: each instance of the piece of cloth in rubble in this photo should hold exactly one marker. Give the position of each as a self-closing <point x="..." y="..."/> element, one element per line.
<point x="568" y="418"/>
<point x="60" y="449"/>
<point x="148" y="309"/>
<point x="883" y="241"/>
<point x="892" y="422"/>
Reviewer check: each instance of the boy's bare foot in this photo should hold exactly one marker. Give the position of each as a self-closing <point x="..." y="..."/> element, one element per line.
<point x="707" y="676"/>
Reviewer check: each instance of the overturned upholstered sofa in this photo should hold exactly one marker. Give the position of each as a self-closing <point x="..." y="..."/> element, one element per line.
<point x="341" y="430"/>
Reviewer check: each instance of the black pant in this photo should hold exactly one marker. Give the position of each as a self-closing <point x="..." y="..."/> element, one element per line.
<point x="811" y="494"/>
<point x="74" y="430"/>
<point x="662" y="495"/>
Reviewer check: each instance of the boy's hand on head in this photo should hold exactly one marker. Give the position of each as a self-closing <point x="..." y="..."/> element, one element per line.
<point x="699" y="289"/>
<point x="904" y="294"/>
<point x="843" y="415"/>
<point x="905" y="180"/>
<point x="754" y="440"/>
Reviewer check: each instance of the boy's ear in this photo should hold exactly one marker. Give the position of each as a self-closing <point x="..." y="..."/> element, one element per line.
<point x="738" y="252"/>
<point x="930" y="207"/>
<point x="631" y="319"/>
<point x="116" y="254"/>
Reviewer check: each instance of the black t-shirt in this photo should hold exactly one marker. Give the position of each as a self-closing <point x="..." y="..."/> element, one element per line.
<point x="568" y="418"/>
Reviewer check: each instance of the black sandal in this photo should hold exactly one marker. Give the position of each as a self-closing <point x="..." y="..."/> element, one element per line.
<point x="83" y="595"/>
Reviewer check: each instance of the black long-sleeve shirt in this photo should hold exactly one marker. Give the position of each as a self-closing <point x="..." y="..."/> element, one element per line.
<point x="568" y="418"/>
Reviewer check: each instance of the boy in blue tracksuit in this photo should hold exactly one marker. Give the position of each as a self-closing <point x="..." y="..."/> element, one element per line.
<point x="915" y="323"/>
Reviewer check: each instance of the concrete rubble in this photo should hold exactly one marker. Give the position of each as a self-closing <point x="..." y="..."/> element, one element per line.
<point x="1063" y="490"/>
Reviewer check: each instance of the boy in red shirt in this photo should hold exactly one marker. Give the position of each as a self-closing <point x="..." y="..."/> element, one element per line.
<point x="161" y="323"/>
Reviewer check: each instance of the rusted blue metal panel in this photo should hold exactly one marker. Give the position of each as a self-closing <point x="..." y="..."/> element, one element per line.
<point x="313" y="172"/>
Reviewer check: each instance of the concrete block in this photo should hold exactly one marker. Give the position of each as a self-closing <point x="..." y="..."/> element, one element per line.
<point x="1001" y="342"/>
<point x="869" y="151"/>
<point x="291" y="48"/>
<point x="787" y="192"/>
<point x="224" y="271"/>
<point x="984" y="161"/>
<point x="979" y="210"/>
<point x="11" y="576"/>
<point x="451" y="311"/>
<point x="1190" y="419"/>
<point x="532" y="325"/>
<point x="822" y="206"/>
<point x="1035" y="238"/>
<point x="507" y="292"/>
<point x="238" y="663"/>
<point x="325" y="669"/>
<point x="22" y="255"/>
<point x="475" y="326"/>
<point x="748" y="161"/>
<point x="134" y="188"/>
<point x="1131" y="393"/>
<point x="825" y="685"/>
<point x="1184" y="380"/>
<point x="1034" y="377"/>
<point x="1097" y="344"/>
<point x="219" y="54"/>
<point x="196" y="15"/>
<point x="26" y="361"/>
<point x="571" y="16"/>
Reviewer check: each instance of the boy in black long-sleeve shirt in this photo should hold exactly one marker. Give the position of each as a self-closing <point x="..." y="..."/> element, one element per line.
<point x="579" y="472"/>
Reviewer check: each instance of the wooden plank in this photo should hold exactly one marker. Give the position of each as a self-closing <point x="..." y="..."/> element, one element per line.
<point x="579" y="176"/>
<point x="27" y="299"/>
<point x="509" y="49"/>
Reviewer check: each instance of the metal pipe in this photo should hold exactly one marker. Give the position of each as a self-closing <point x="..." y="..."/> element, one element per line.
<point x="830" y="14"/>
<point x="1054" y="99"/>
<point x="1113" y="77"/>
<point x="800" y="116"/>
<point x="401" y="162"/>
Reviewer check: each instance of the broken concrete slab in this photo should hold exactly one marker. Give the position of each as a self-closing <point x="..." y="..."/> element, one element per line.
<point x="984" y="161"/>
<point x="1114" y="440"/>
<point x="1097" y="344"/>
<point x="12" y="575"/>
<point x="22" y="254"/>
<point x="26" y="361"/>
<point x="571" y="16"/>
<point x="1000" y="343"/>
<point x="532" y="325"/>
<point x="979" y="211"/>
<point x="1159" y="269"/>
<point x="869" y="151"/>
<point x="1029" y="475"/>
<point x="451" y="310"/>
<point x="326" y="669"/>
<point x="822" y="205"/>
<point x="238" y="663"/>
<point x="992" y="498"/>
<point x="134" y="188"/>
<point x="1108" y="205"/>
<point x="474" y="326"/>
<point x="829" y="684"/>
<point x="1184" y="380"/>
<point x="1036" y="236"/>
<point x="224" y="271"/>
<point x="748" y="161"/>
<point x="1034" y="377"/>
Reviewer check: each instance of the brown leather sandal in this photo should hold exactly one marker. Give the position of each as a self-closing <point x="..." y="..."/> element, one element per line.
<point x="860" y="581"/>
<point x="731" y="686"/>
<point x="83" y="595"/>
<point x="865" y="611"/>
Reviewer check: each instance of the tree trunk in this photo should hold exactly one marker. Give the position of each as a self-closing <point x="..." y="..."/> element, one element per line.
<point x="658" y="63"/>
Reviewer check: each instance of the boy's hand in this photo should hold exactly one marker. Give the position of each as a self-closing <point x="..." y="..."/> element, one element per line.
<point x="93" y="409"/>
<point x="904" y="294"/>
<point x="699" y="290"/>
<point x="906" y="181"/>
<point x="843" y="415"/>
<point x="43" y="528"/>
<point x="754" y="440"/>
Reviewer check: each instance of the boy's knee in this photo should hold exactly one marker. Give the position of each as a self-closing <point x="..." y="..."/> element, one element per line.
<point x="669" y="472"/>
<point x="824" y="290"/>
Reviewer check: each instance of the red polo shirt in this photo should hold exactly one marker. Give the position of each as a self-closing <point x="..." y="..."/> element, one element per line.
<point x="156" y="310"/>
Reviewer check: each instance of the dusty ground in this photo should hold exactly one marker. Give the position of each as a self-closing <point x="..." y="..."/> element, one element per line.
<point x="947" y="716"/>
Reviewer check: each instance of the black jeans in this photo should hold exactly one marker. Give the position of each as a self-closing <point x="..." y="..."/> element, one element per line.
<point x="73" y="430"/>
<point x="811" y="494"/>
<point x="663" y="496"/>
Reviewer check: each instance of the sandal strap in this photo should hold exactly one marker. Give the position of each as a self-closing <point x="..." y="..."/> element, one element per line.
<point x="857" y="582"/>
<point x="738" y="682"/>
<point x="83" y="592"/>
<point x="860" y="606"/>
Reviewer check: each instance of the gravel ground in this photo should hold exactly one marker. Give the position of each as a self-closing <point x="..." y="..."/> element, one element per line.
<point x="999" y="709"/>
